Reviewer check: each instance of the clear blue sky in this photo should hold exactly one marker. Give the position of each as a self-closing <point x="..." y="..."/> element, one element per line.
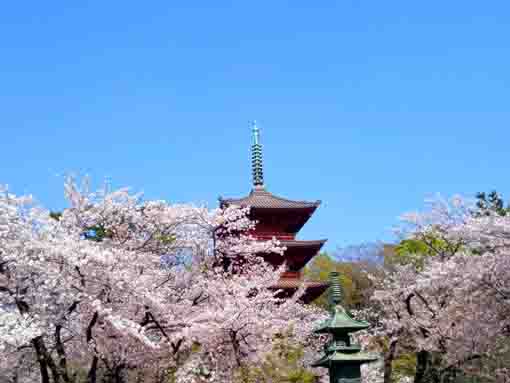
<point x="370" y="106"/>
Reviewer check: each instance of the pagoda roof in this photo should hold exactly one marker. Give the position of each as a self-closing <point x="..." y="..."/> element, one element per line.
<point x="314" y="244"/>
<point x="313" y="289"/>
<point x="299" y="253"/>
<point x="260" y="198"/>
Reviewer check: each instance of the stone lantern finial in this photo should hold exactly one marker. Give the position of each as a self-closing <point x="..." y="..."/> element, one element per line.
<point x="336" y="295"/>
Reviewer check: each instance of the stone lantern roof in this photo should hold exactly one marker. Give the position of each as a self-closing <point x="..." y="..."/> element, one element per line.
<point x="340" y="321"/>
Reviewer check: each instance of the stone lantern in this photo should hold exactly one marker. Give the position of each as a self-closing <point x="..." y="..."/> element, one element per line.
<point x="342" y="358"/>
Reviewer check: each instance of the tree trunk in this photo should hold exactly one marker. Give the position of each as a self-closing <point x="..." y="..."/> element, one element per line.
<point x="449" y="376"/>
<point x="426" y="368"/>
<point x="388" y="361"/>
<point x="92" y="375"/>
<point x="422" y="361"/>
<point x="119" y="374"/>
<point x="45" y="361"/>
<point x="59" y="346"/>
<point x="43" y="367"/>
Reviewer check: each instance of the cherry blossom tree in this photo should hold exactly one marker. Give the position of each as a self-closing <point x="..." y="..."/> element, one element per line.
<point x="453" y="306"/>
<point x="115" y="285"/>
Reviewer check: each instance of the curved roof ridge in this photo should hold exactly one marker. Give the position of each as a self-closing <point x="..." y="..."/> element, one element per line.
<point x="317" y="202"/>
<point x="261" y="198"/>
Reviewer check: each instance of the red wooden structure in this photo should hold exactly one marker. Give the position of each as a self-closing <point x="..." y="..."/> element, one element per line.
<point x="281" y="218"/>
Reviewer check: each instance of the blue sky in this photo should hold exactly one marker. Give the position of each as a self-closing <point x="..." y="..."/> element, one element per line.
<point x="368" y="106"/>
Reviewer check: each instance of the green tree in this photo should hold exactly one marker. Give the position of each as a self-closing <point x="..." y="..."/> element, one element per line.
<point x="490" y="202"/>
<point x="415" y="250"/>
<point x="354" y="280"/>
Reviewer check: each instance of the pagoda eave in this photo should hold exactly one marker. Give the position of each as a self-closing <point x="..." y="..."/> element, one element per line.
<point x="313" y="293"/>
<point x="313" y="289"/>
<point x="299" y="253"/>
<point x="306" y="245"/>
<point x="260" y="198"/>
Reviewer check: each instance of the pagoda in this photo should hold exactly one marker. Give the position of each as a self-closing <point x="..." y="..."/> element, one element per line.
<point x="282" y="219"/>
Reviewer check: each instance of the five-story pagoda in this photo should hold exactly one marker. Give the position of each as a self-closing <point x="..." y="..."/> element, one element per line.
<point x="282" y="219"/>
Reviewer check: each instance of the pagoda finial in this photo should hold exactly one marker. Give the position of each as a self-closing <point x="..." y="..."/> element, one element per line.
<point x="256" y="132"/>
<point x="256" y="157"/>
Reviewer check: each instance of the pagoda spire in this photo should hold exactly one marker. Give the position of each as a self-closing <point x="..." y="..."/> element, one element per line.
<point x="257" y="167"/>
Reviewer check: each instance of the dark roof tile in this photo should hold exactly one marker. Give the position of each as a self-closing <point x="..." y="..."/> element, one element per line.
<point x="262" y="199"/>
<point x="316" y="244"/>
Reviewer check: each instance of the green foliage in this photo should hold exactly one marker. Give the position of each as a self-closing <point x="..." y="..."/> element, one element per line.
<point x="282" y="365"/>
<point x="412" y="246"/>
<point x="319" y="270"/>
<point x="171" y="375"/>
<point x="415" y="250"/>
<point x="56" y="215"/>
<point x="97" y="233"/>
<point x="404" y="365"/>
<point x="491" y="202"/>
<point x="79" y="372"/>
<point x="166" y="239"/>
<point x="195" y="347"/>
<point x="354" y="280"/>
